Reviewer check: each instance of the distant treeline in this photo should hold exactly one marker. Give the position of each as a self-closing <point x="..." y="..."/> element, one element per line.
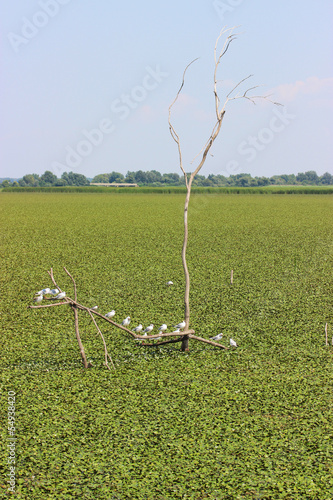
<point x="175" y="190"/>
<point x="156" y="179"/>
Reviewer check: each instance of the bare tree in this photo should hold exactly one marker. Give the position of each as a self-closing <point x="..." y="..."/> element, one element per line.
<point x="220" y="112"/>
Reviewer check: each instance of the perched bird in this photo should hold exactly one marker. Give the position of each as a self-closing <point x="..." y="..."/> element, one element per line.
<point x="138" y="328"/>
<point x="94" y="308"/>
<point x="43" y="292"/>
<point x="170" y="283"/>
<point x="163" y="328"/>
<point x="180" y="325"/>
<point x="126" y="321"/>
<point x="54" y="291"/>
<point x="38" y="299"/>
<point x="149" y="329"/>
<point x="61" y="295"/>
<point x="110" y="314"/>
<point x="217" y="337"/>
<point x="233" y="343"/>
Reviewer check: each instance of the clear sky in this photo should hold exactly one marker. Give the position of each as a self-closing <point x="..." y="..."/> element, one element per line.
<point x="86" y="86"/>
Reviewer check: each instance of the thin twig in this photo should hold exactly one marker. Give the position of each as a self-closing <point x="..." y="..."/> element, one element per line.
<point x="76" y="320"/>
<point x="53" y="280"/>
<point x="105" y="348"/>
<point x="75" y="294"/>
<point x="173" y="133"/>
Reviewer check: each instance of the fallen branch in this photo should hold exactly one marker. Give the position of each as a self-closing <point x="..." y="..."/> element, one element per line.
<point x="164" y="337"/>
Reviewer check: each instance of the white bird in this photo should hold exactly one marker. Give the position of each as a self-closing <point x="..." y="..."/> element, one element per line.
<point x="94" y="308"/>
<point x="170" y="283"/>
<point x="180" y="325"/>
<point x="110" y="314"/>
<point x="149" y="329"/>
<point x="217" y="337"/>
<point x="54" y="291"/>
<point x="138" y="328"/>
<point x="43" y="292"/>
<point x="233" y="343"/>
<point x="38" y="299"/>
<point x="163" y="328"/>
<point x="61" y="295"/>
<point x="126" y="321"/>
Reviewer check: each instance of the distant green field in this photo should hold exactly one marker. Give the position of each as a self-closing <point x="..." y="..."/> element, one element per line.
<point x="249" y="423"/>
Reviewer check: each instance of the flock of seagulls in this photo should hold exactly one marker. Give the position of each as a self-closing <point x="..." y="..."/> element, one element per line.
<point x="47" y="291"/>
<point x="180" y="326"/>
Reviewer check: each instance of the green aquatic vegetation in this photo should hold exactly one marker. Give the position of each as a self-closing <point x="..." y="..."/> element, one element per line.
<point x="254" y="422"/>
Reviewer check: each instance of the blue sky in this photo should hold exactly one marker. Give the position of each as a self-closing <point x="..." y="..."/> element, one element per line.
<point x="86" y="86"/>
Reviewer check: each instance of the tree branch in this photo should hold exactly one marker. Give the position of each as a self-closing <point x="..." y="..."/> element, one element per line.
<point x="206" y="341"/>
<point x="78" y="338"/>
<point x="75" y="294"/>
<point x="48" y="305"/>
<point x="105" y="348"/>
<point x="173" y="133"/>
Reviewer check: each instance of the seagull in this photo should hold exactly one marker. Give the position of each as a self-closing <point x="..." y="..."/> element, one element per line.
<point x="149" y="329"/>
<point x="110" y="314"/>
<point x="54" y="291"/>
<point x="162" y="328"/>
<point x="138" y="328"/>
<point x="180" y="325"/>
<point x="217" y="337"/>
<point x="170" y="283"/>
<point x="94" y="308"/>
<point x="38" y="299"/>
<point x="61" y="295"/>
<point x="126" y="321"/>
<point x="233" y="343"/>
<point x="44" y="291"/>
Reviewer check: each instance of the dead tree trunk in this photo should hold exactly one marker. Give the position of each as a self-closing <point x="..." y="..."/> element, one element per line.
<point x="189" y="179"/>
